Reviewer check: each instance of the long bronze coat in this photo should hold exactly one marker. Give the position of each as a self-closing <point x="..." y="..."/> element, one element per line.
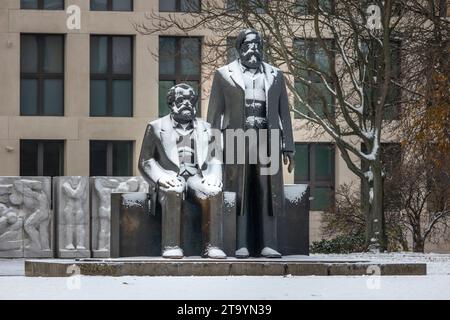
<point x="226" y="110"/>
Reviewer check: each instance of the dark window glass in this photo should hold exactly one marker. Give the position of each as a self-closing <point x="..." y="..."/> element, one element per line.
<point x="307" y="7"/>
<point x="111" y="158"/>
<point x="99" y="54"/>
<point x="112" y="5"/>
<point x="167" y="55"/>
<point x="324" y="162"/>
<point x="98" y="158"/>
<point x="179" y="62"/>
<point x="99" y="100"/>
<point x="42" y="75"/>
<point x="302" y="162"/>
<point x="99" y="5"/>
<point x="122" y="98"/>
<point x="122" y="5"/>
<point x="122" y="158"/>
<point x="41" y="158"/>
<point x="232" y="53"/>
<point x="314" y="165"/>
<point x="121" y="55"/>
<point x="164" y="87"/>
<point x="28" y="53"/>
<point x="28" y="97"/>
<point x="189" y="5"/>
<point x="179" y="5"/>
<point x="53" y="96"/>
<point x="256" y="6"/>
<point x="313" y="92"/>
<point x="189" y="53"/>
<point x="53" y="51"/>
<point x="54" y="4"/>
<point x="28" y="158"/>
<point x="42" y="4"/>
<point x="111" y="93"/>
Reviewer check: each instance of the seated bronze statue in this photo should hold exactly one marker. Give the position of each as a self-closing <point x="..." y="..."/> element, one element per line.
<point x="174" y="162"/>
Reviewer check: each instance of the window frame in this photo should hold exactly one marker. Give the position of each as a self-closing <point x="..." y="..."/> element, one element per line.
<point x="110" y="144"/>
<point x="177" y="76"/>
<point x="40" y="155"/>
<point x="109" y="6"/>
<point x="308" y="8"/>
<point x="313" y="181"/>
<point x="40" y="6"/>
<point x="109" y="76"/>
<point x="40" y="76"/>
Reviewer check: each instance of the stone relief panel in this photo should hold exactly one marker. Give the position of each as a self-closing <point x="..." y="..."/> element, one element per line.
<point x="25" y="217"/>
<point x="101" y="189"/>
<point x="72" y="216"/>
<point x="11" y="221"/>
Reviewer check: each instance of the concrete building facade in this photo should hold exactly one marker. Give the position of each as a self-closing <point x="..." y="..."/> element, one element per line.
<point x="77" y="128"/>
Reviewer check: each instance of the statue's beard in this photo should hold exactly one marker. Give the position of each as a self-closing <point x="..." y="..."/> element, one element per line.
<point x="184" y="115"/>
<point x="251" y="60"/>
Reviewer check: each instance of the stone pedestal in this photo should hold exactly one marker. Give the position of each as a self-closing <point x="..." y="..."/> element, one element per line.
<point x="293" y="226"/>
<point x="71" y="204"/>
<point x="135" y="231"/>
<point x="26" y="223"/>
<point x="101" y="190"/>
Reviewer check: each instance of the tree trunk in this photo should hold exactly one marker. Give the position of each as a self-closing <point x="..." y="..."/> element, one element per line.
<point x="373" y="207"/>
<point x="418" y="245"/>
<point x="418" y="240"/>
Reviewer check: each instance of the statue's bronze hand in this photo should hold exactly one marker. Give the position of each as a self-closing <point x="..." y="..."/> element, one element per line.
<point x="289" y="156"/>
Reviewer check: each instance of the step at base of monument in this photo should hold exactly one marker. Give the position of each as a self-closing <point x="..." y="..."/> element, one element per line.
<point x="195" y="266"/>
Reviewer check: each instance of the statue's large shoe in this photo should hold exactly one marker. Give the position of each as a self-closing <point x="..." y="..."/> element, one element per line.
<point x="214" y="253"/>
<point x="242" y="253"/>
<point x="173" y="253"/>
<point x="270" y="253"/>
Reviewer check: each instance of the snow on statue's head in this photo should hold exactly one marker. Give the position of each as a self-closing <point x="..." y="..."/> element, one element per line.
<point x="181" y="100"/>
<point x="249" y="45"/>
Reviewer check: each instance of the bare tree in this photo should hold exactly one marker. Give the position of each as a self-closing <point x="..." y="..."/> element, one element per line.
<point x="344" y="93"/>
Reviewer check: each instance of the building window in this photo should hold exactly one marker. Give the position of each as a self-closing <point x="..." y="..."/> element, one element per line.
<point x="179" y="5"/>
<point x="42" y="4"/>
<point x="256" y="6"/>
<point x="41" y="75"/>
<point x="315" y="92"/>
<point x="111" y="91"/>
<point x="42" y="158"/>
<point x="112" y="5"/>
<point x="306" y="7"/>
<point x="232" y="53"/>
<point x="111" y="158"/>
<point x="179" y="61"/>
<point x="314" y="165"/>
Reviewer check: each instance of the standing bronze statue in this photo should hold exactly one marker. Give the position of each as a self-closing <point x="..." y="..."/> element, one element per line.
<point x="250" y="94"/>
<point x="174" y="160"/>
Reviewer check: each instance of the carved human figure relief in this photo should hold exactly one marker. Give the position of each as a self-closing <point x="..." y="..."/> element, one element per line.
<point x="104" y="186"/>
<point x="36" y="208"/>
<point x="10" y="229"/>
<point x="74" y="190"/>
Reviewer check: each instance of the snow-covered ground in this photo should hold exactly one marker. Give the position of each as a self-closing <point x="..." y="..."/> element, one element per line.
<point x="436" y="285"/>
